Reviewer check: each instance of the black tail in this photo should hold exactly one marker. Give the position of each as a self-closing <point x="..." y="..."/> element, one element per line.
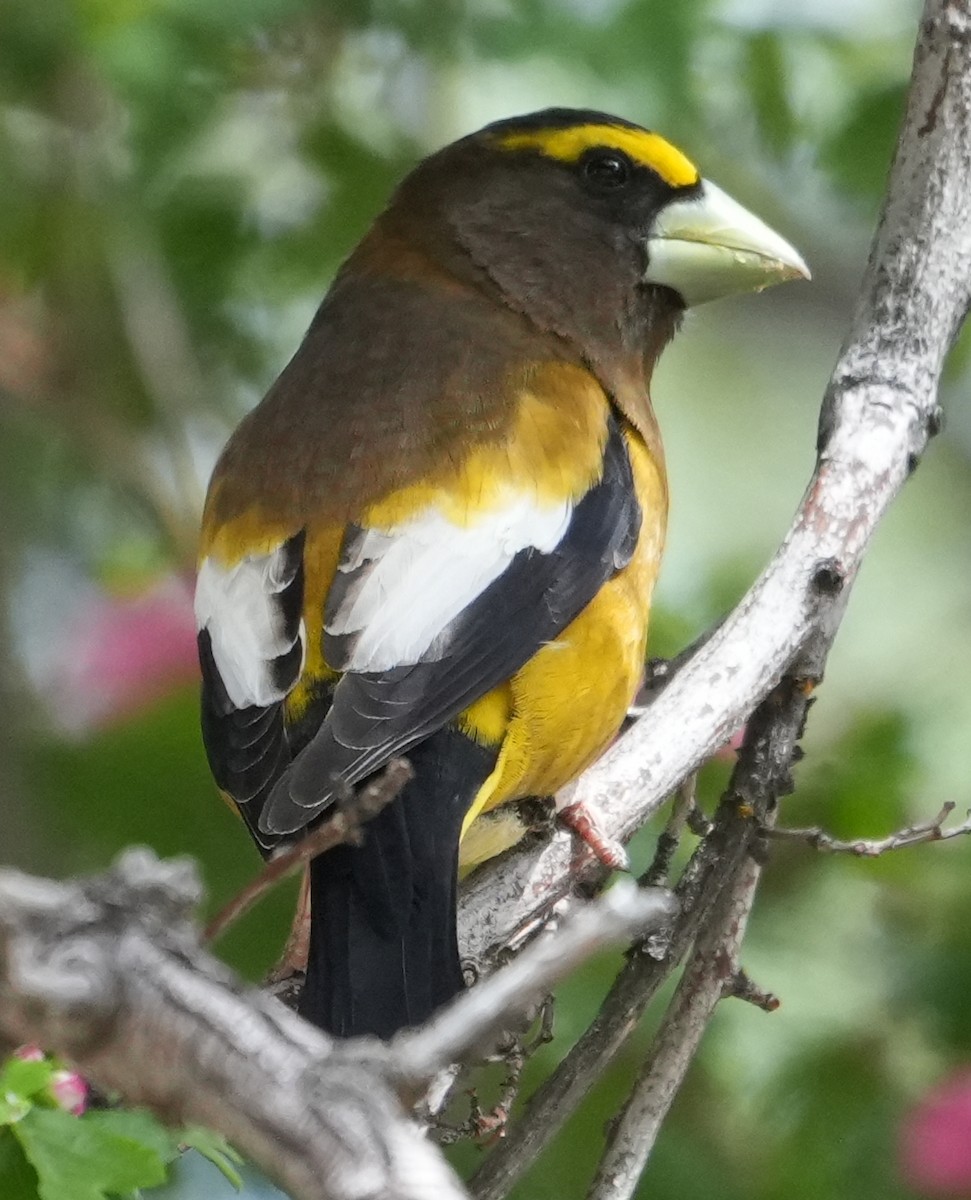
<point x="383" y="948"/>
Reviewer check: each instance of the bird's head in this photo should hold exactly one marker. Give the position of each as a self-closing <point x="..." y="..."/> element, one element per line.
<point x="589" y="225"/>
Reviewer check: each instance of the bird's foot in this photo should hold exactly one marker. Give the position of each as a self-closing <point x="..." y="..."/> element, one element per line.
<point x="586" y="822"/>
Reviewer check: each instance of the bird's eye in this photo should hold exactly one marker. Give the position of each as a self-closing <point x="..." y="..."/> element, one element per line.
<point x="607" y="170"/>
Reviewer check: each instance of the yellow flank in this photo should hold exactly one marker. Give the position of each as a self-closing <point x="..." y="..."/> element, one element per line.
<point x="490" y="835"/>
<point x="487" y="719"/>
<point x="554" y="447"/>
<point x="569" y="700"/>
<point x="648" y="149"/>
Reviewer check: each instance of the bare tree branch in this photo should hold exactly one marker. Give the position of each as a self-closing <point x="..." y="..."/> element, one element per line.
<point x="109" y="973"/>
<point x="761" y="776"/>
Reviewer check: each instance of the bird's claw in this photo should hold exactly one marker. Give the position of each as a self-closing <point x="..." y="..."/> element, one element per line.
<point x="586" y="822"/>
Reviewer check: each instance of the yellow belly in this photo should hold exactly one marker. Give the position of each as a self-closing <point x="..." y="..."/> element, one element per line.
<point x="562" y="710"/>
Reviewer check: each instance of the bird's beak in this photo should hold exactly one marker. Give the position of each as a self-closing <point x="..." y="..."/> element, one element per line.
<point x="709" y="246"/>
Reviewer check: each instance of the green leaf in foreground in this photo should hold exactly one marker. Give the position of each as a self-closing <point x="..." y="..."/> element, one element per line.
<point x="214" y="1147"/>
<point x="18" y="1180"/>
<point x="20" y="1081"/>
<point x="83" y="1159"/>
<point x="137" y="1125"/>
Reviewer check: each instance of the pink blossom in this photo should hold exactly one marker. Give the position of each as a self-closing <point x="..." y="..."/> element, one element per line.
<point x="67" y="1089"/>
<point x="935" y="1140"/>
<point x="125" y="653"/>
<point x="70" y="1092"/>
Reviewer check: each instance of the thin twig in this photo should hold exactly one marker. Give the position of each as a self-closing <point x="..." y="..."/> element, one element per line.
<point x="762" y="774"/>
<point x="701" y="986"/>
<point x="488" y="1126"/>
<point x="467" y="1025"/>
<point x="344" y="826"/>
<point x="515" y="1054"/>
<point x="741" y="987"/>
<point x="684" y="811"/>
<point x="914" y="835"/>
<point x="635" y="986"/>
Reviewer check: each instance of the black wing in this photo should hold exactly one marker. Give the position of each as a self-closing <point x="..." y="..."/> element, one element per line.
<point x="247" y="744"/>
<point x="376" y="715"/>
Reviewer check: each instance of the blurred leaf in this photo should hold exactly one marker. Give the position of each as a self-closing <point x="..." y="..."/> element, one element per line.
<point x="21" y="1079"/>
<point x="688" y="1163"/>
<point x="858" y="155"/>
<point x="864" y="788"/>
<point x="216" y="1149"/>
<point x="958" y="361"/>
<point x="134" y="1125"/>
<point x="18" y="1179"/>
<point x="204" y="237"/>
<point x="939" y="980"/>
<point x="359" y="182"/>
<point x="670" y="632"/>
<point x="831" y="1115"/>
<point x="79" y="1159"/>
<point x="38" y="41"/>
<point x="766" y="77"/>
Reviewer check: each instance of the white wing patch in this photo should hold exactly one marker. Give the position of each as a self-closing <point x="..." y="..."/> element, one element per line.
<point x="241" y="608"/>
<point x="416" y="578"/>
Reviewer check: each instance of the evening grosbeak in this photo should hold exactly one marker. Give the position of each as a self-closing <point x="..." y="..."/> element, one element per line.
<point x="438" y="534"/>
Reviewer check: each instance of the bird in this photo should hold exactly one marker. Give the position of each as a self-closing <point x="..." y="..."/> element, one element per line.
<point x="437" y="535"/>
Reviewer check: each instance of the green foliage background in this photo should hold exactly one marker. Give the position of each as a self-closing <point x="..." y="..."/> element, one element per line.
<point x="178" y="182"/>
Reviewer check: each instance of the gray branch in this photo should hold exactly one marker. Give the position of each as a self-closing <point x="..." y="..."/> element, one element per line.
<point x="701" y="986"/>
<point x="748" y="810"/>
<point x="109" y="972"/>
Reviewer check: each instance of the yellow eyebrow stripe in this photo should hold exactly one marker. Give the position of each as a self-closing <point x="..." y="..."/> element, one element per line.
<point x="648" y="149"/>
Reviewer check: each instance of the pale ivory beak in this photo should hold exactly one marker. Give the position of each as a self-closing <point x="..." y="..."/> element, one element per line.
<point x="709" y="246"/>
